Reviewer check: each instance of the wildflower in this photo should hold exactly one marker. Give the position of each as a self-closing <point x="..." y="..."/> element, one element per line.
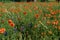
<point x="50" y="4"/>
<point x="26" y="7"/>
<point x="53" y="12"/>
<point x="4" y="10"/>
<point x="2" y="30"/>
<point x="9" y="21"/>
<point x="24" y="13"/>
<point x="36" y="15"/>
<point x="12" y="24"/>
<point x="55" y="23"/>
<point x="49" y="15"/>
<point x="50" y="9"/>
<point x="35" y="8"/>
<point x="30" y="10"/>
<point x="45" y="15"/>
<point x="12" y="10"/>
<point x="18" y="9"/>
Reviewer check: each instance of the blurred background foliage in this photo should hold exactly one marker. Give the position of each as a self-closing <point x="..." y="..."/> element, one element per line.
<point x="27" y="0"/>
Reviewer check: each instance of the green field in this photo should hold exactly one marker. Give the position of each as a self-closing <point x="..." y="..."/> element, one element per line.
<point x="29" y="21"/>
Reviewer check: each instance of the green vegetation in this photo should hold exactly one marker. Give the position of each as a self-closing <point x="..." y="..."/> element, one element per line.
<point x="29" y="21"/>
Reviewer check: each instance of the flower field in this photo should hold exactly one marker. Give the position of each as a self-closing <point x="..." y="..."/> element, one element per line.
<point x="30" y="21"/>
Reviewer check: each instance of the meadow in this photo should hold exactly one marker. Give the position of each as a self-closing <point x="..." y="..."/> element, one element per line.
<point x="30" y="21"/>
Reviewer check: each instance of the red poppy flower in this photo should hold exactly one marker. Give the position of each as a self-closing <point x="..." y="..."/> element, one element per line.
<point x="53" y="12"/>
<point x="24" y="13"/>
<point x="2" y="30"/>
<point x="55" y="23"/>
<point x="36" y="15"/>
<point x="9" y="21"/>
<point x="12" y="24"/>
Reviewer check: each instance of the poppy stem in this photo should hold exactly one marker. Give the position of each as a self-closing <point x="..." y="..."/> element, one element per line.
<point x="43" y="25"/>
